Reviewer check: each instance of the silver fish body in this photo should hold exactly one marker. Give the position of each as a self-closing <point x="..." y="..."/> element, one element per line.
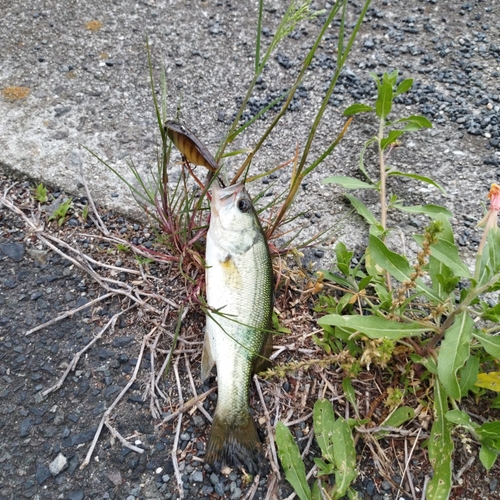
<point x="239" y="293"/>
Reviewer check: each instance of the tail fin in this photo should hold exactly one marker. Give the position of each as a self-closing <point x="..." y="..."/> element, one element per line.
<point x="235" y="445"/>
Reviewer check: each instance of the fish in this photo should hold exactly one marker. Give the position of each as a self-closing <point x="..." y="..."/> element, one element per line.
<point x="239" y="294"/>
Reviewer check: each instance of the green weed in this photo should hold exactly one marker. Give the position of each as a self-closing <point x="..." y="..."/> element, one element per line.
<point x="121" y="247"/>
<point x="61" y="211"/>
<point x="432" y="311"/>
<point x="40" y="193"/>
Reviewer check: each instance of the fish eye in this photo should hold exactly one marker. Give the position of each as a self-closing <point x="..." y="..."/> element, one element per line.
<point x="244" y="205"/>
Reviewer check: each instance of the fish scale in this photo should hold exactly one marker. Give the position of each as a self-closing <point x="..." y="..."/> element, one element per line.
<point x="239" y="294"/>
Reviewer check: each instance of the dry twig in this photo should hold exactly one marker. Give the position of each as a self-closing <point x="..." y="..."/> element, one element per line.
<point x="270" y="433"/>
<point x="69" y="313"/>
<point x="100" y="223"/>
<point x="253" y="489"/>
<point x="72" y="365"/>
<point x="186" y="406"/>
<point x="193" y="389"/>
<point x="407" y="464"/>
<point x="177" y="431"/>
<point x="107" y="413"/>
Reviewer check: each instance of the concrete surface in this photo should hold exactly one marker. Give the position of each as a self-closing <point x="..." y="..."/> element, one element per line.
<point x="90" y="88"/>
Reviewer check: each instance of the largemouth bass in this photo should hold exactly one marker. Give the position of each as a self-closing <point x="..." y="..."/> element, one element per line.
<point x="239" y="281"/>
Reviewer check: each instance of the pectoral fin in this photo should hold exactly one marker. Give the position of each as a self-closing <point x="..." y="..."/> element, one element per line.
<point x="207" y="360"/>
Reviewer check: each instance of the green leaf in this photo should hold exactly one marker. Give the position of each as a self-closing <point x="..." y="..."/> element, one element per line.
<point x="447" y="253"/>
<point x="342" y="482"/>
<point x="487" y="457"/>
<point x="458" y="417"/>
<point x="291" y="462"/>
<point x="489" y="430"/>
<point x="493" y="246"/>
<point x="375" y="327"/>
<point x="362" y="157"/>
<point x="342" y="254"/>
<point x="397" y="266"/>
<point x="316" y="490"/>
<point x="428" y="363"/>
<point x="399" y="416"/>
<point x="324" y="469"/>
<point x="391" y="77"/>
<point x="348" y="182"/>
<point x="468" y="375"/>
<point x="344" y="457"/>
<point x="354" y="109"/>
<point x="490" y="343"/>
<point x="362" y="210"/>
<point x="440" y="450"/>
<point x="454" y="352"/>
<point x="392" y="137"/>
<point x="350" y="394"/>
<point x="323" y="420"/>
<point x="430" y="210"/>
<point x="418" y="120"/>
<point x="383" y="105"/>
<point x="411" y="127"/>
<point x="404" y="86"/>
<point x="417" y="177"/>
<point x="491" y="313"/>
<point x="490" y="257"/>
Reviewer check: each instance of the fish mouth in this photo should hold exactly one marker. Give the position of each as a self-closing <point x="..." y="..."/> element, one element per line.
<point x="222" y="196"/>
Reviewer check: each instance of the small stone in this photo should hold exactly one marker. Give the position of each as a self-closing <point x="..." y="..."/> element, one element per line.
<point x="75" y="495"/>
<point x="42" y="473"/>
<point x="122" y="341"/>
<point x="370" y="487"/>
<point x="25" y="427"/>
<point x="112" y="389"/>
<point x="10" y="283"/>
<point x="493" y="485"/>
<point x="14" y="251"/>
<point x="73" y="222"/>
<point x="115" y="477"/>
<point x="58" y="464"/>
<point x="83" y="437"/>
<point x="198" y="421"/>
<point x="197" y="476"/>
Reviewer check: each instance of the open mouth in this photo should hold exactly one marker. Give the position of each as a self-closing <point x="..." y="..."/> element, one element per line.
<point x="225" y="194"/>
